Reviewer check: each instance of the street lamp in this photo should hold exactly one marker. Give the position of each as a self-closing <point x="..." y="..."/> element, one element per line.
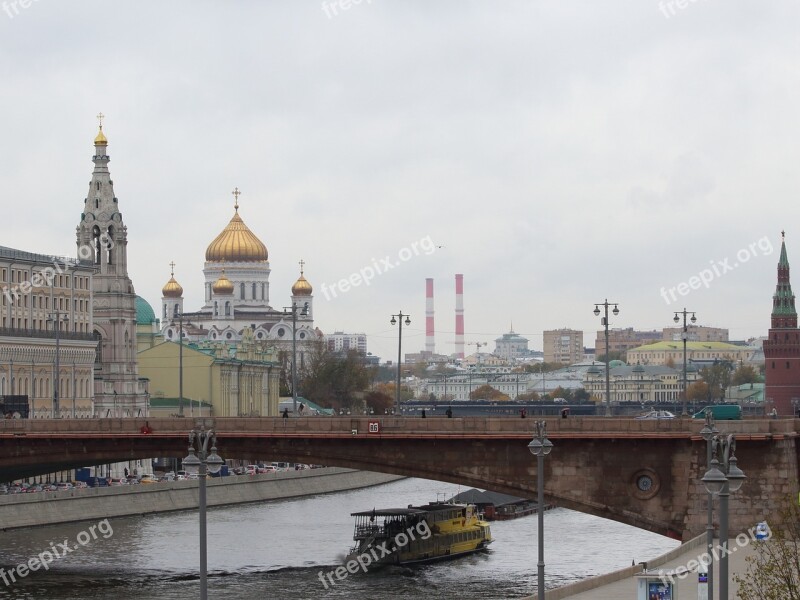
<point x="56" y="319"/>
<point x="606" y="304"/>
<point x="685" y="336"/>
<point x="398" y="318"/>
<point x="708" y="432"/>
<point x="721" y="479"/>
<point x="540" y="447"/>
<point x="304" y="312"/>
<point x="202" y="465"/>
<point x="180" y="364"/>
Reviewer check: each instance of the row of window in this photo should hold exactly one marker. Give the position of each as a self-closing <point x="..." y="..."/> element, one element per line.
<point x="42" y="387"/>
<point x="43" y="302"/>
<point x="42" y="325"/>
<point x="19" y="276"/>
<point x="258" y="291"/>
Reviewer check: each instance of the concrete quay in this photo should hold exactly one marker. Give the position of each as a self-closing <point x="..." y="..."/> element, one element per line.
<point x="622" y="584"/>
<point x="51" y="508"/>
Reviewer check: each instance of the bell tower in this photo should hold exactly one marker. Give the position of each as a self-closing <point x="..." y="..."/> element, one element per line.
<point x="103" y="238"/>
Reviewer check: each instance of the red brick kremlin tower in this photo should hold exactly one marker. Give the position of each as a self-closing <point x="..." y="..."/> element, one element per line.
<point x="782" y="348"/>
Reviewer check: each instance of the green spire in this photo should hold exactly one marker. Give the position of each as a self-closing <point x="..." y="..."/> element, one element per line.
<point x="783" y="299"/>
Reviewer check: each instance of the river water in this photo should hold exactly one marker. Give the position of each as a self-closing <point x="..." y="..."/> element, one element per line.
<point x="276" y="550"/>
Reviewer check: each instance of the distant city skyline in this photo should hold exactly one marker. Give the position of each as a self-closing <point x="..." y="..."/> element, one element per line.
<point x="555" y="154"/>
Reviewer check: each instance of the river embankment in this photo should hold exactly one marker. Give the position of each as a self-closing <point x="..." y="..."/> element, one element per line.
<point x="51" y="508"/>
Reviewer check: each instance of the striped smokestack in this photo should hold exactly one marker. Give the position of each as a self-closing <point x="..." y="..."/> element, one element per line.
<point x="459" y="316"/>
<point x="430" y="343"/>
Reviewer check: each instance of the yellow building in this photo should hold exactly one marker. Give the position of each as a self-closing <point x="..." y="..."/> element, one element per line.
<point x="662" y="353"/>
<point x="227" y="380"/>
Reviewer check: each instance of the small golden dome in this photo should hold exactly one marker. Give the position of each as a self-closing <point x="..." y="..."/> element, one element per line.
<point x="236" y="243"/>
<point x="172" y="289"/>
<point x="100" y="140"/>
<point x="301" y="287"/>
<point x="223" y="285"/>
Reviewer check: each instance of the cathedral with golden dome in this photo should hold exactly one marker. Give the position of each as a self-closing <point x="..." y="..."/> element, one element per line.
<point x="237" y="297"/>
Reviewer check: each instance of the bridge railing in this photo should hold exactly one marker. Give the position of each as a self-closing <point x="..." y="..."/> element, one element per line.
<point x="396" y="426"/>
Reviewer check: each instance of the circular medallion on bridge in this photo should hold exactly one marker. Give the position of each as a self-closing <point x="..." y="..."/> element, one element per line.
<point x="645" y="484"/>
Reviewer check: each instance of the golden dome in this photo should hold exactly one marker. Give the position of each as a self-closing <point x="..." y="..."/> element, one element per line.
<point x="100" y="140"/>
<point x="223" y="286"/>
<point x="172" y="289"/>
<point x="236" y="243"/>
<point x="301" y="287"/>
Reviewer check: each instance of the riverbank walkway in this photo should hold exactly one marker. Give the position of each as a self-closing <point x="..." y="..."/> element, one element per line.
<point x="622" y="584"/>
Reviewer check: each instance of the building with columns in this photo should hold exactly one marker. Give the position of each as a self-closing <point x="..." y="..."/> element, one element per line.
<point x="782" y="346"/>
<point x="46" y="303"/>
<point x="102" y="238"/>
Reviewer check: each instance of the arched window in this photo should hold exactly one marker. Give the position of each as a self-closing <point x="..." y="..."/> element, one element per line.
<point x="165" y="311"/>
<point x="216" y="308"/>
<point x="254" y="291"/>
<point x="110" y="243"/>
<point x="96" y="238"/>
<point x="227" y="309"/>
<point x="241" y="291"/>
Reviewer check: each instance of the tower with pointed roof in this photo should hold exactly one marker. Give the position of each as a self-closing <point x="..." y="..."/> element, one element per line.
<point x="172" y="296"/>
<point x="782" y="346"/>
<point x="103" y="238"/>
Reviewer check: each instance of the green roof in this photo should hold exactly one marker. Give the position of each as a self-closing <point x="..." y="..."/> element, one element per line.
<point x="678" y="345"/>
<point x="144" y="312"/>
<point x="174" y="402"/>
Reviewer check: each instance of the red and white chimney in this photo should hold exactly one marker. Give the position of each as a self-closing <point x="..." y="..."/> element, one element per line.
<point x="459" y="316"/>
<point x="430" y="344"/>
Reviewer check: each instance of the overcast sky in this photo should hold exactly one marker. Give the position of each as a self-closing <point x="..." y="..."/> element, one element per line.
<point x="559" y="152"/>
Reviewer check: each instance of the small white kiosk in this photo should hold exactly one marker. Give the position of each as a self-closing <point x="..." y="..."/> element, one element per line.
<point x="656" y="585"/>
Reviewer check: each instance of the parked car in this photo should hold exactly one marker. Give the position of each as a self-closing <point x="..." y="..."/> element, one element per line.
<point x="657" y="414"/>
<point x="147" y="479"/>
<point x="560" y="400"/>
<point x="251" y="469"/>
<point x="81" y="485"/>
<point x="64" y="487"/>
<point x="267" y="469"/>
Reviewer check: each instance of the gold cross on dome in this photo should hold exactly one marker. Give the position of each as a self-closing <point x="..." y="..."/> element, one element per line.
<point x="302" y="264"/>
<point x="783" y="234"/>
<point x="236" y="193"/>
<point x="100" y="117"/>
<point x="172" y="268"/>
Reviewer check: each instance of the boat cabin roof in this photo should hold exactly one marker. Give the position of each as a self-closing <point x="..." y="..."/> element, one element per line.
<point x="411" y="510"/>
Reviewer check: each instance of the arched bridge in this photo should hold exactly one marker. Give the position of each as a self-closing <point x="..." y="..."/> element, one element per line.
<point x="640" y="472"/>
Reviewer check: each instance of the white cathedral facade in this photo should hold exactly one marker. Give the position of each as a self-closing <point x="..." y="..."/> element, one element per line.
<point x="237" y="298"/>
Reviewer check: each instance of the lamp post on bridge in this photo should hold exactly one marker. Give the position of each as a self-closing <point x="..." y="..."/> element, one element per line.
<point x="708" y="432"/>
<point x="685" y="337"/>
<point x="540" y="447"/>
<point x="398" y="318"/>
<point x="207" y="462"/>
<point x="56" y="319"/>
<point x="597" y="306"/>
<point x="303" y="312"/>
<point x="723" y="477"/>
